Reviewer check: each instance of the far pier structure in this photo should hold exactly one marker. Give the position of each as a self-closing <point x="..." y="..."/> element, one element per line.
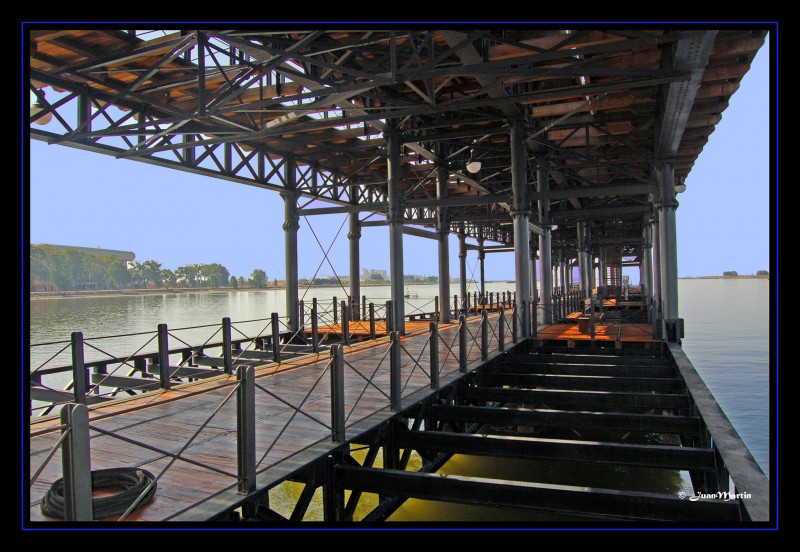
<point x="565" y="146"/>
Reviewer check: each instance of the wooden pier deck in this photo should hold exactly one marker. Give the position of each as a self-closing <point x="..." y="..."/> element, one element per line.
<point x="153" y="429"/>
<point x="616" y="332"/>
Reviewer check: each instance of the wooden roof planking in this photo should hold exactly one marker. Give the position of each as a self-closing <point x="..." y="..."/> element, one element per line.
<point x="601" y="106"/>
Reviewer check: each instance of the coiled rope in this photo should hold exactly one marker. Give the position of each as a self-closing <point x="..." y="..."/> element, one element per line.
<point x="132" y="481"/>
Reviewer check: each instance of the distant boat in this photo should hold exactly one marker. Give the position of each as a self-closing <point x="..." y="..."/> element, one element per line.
<point x="411" y="294"/>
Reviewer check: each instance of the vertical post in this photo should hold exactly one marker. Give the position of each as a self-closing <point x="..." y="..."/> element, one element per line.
<point x="462" y="268"/>
<point x="337" y="394"/>
<point x="462" y="343"/>
<point x="290" y="226"/>
<point x="227" y="353"/>
<point x="543" y="184"/>
<point x="335" y="305"/>
<point x="389" y="317"/>
<point x="372" y="320"/>
<point x="669" y="248"/>
<point x="163" y="356"/>
<point x="314" y="330"/>
<point x="521" y="214"/>
<point x="534" y="293"/>
<point x="395" y="218"/>
<point x="436" y="312"/>
<point x="246" y="429"/>
<point x="363" y="307"/>
<point x="514" y="329"/>
<point x="456" y="306"/>
<point x="501" y="329"/>
<point x="655" y="314"/>
<point x="491" y="301"/>
<point x="276" y="338"/>
<point x="345" y="323"/>
<point x="354" y="235"/>
<point x="433" y="345"/>
<point x="591" y="317"/>
<point x="443" y="229"/>
<point x="482" y="263"/>
<point x="484" y="334"/>
<point x="394" y="372"/>
<point x="301" y="314"/>
<point x="76" y="467"/>
<point x="79" y="376"/>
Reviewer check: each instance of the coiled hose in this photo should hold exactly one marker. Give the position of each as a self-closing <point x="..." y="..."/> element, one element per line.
<point x="132" y="481"/>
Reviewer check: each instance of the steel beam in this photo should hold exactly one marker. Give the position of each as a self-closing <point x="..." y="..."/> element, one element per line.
<point x="537" y="496"/>
<point x="612" y="421"/>
<point x="594" y="191"/>
<point x="653" y="456"/>
<point x="462" y="267"/>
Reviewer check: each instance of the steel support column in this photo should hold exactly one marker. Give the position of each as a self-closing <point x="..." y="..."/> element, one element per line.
<point x="290" y="226"/>
<point x="545" y="262"/>
<point x="656" y="310"/>
<point x="669" y="243"/>
<point x="647" y="260"/>
<point x="443" y="227"/>
<point x="534" y="308"/>
<point x="521" y="215"/>
<point x="481" y="261"/>
<point x="462" y="267"/>
<point x="354" y="235"/>
<point x="395" y="218"/>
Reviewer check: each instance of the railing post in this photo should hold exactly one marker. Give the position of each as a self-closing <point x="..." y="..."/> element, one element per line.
<point x="337" y="394"/>
<point x="301" y="315"/>
<point x="372" y="320"/>
<point x="436" y="308"/>
<point x="591" y="316"/>
<point x="514" y="327"/>
<point x="246" y="430"/>
<point x="345" y="324"/>
<point x="462" y="343"/>
<point x="335" y="311"/>
<point x="434" y="349"/>
<point x="455" y="306"/>
<point x="363" y="307"/>
<point x="79" y="376"/>
<point x="484" y="334"/>
<point x="389" y="317"/>
<point x="227" y="354"/>
<point x="276" y="337"/>
<point x="76" y="467"/>
<point x="163" y="356"/>
<point x="314" y="329"/>
<point x="491" y="300"/>
<point x="501" y="329"/>
<point x="394" y="372"/>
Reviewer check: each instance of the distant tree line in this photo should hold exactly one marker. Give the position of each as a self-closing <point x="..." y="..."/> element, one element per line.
<point x="70" y="269"/>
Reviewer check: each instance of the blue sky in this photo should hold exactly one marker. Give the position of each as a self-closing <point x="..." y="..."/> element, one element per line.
<point x="176" y="218"/>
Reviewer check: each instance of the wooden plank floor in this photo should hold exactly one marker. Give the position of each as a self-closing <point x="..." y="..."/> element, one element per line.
<point x="639" y="333"/>
<point x="167" y="420"/>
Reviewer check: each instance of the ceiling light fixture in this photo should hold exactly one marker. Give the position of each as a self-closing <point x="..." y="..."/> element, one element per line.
<point x="473" y="165"/>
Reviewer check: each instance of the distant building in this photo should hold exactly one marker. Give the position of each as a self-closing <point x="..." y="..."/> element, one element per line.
<point x="126" y="256"/>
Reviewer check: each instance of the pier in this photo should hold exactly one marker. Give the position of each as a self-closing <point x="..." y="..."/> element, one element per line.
<point x="567" y="148"/>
